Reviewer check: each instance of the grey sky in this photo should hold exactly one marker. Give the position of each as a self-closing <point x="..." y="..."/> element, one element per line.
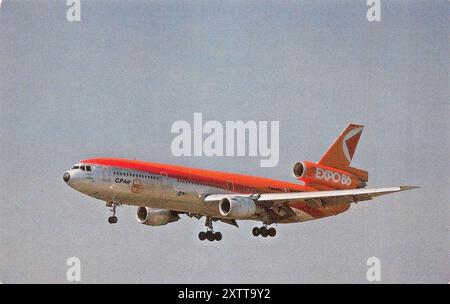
<point x="113" y="84"/>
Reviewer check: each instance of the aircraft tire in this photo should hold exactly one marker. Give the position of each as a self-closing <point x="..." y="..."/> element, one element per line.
<point x="272" y="232"/>
<point x="210" y="236"/>
<point x="202" y="235"/>
<point x="264" y="232"/>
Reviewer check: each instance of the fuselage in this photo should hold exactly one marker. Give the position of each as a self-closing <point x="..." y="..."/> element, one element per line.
<point x="180" y="188"/>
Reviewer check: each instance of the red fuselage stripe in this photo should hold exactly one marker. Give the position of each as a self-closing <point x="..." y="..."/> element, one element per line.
<point x="242" y="183"/>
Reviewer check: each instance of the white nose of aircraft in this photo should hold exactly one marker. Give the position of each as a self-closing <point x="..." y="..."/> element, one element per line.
<point x="66" y="177"/>
<point x="73" y="177"/>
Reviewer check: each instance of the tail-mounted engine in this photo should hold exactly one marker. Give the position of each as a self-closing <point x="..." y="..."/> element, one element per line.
<point x="324" y="177"/>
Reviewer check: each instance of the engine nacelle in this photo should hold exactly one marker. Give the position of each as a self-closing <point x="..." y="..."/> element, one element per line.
<point x="312" y="173"/>
<point x="237" y="207"/>
<point x="155" y="217"/>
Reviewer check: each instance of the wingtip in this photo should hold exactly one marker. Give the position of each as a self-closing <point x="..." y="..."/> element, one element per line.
<point x="403" y="188"/>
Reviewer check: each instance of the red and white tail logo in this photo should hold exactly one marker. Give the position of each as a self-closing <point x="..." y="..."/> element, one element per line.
<point x="350" y="141"/>
<point x="340" y="153"/>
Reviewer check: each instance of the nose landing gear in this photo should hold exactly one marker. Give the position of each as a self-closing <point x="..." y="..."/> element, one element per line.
<point x="264" y="231"/>
<point x="209" y="235"/>
<point x="113" y="219"/>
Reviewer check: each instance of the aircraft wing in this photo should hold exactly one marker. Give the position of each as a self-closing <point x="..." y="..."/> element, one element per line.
<point x="319" y="197"/>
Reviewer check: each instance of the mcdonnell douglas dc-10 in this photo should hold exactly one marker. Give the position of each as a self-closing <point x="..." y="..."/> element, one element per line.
<point x="163" y="192"/>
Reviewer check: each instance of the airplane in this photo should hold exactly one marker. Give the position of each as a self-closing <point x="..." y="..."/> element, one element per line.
<point x="163" y="192"/>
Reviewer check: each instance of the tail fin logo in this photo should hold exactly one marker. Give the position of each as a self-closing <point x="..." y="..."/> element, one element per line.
<point x="350" y="141"/>
<point x="340" y="153"/>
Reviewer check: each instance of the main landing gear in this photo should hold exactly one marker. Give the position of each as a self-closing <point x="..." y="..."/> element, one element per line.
<point x="113" y="219"/>
<point x="264" y="231"/>
<point x="209" y="235"/>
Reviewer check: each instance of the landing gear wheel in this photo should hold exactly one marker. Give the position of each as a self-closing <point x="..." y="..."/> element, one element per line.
<point x="210" y="236"/>
<point x="272" y="232"/>
<point x="112" y="219"/>
<point x="264" y="232"/>
<point x="255" y="231"/>
<point x="202" y="235"/>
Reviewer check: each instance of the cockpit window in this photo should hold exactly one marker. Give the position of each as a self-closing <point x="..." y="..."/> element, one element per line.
<point x="75" y="167"/>
<point x="82" y="168"/>
<point x="88" y="168"/>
